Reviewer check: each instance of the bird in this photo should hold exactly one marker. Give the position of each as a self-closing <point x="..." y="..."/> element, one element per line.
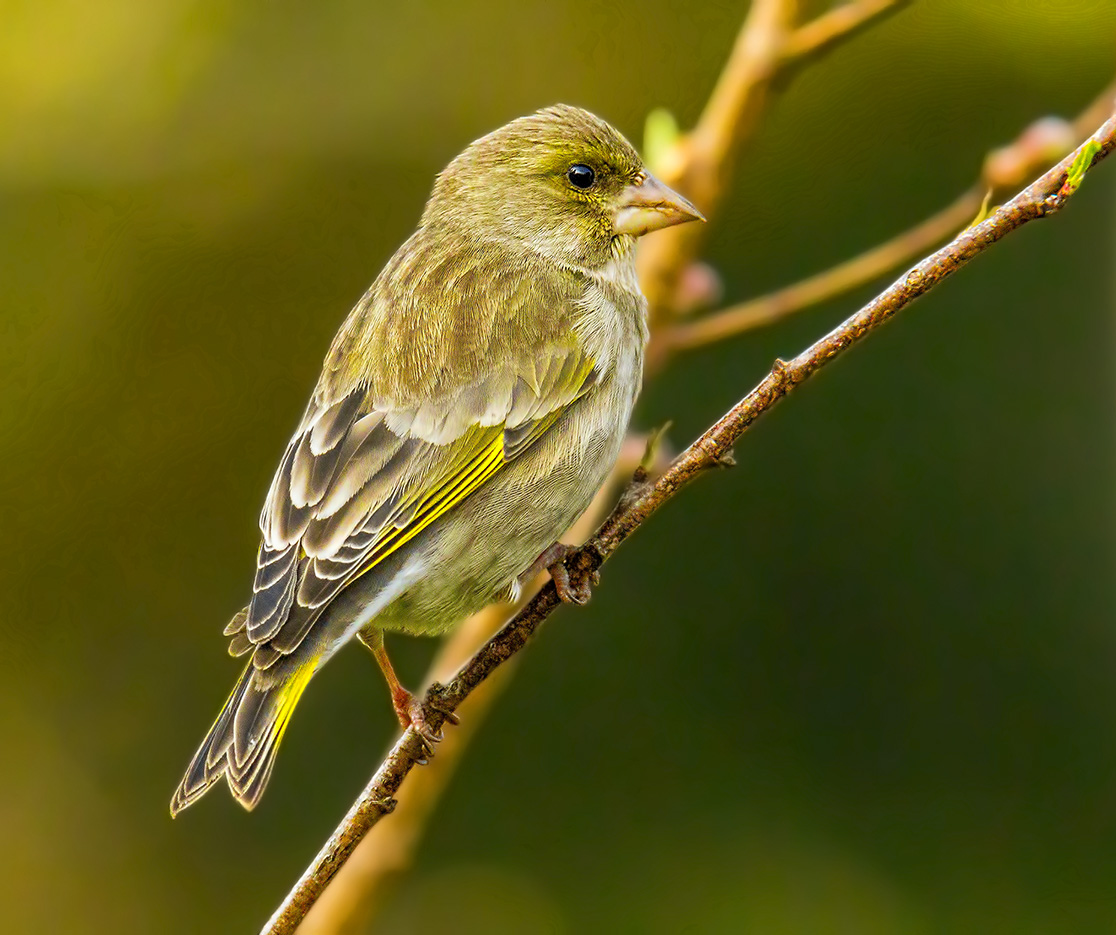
<point x="467" y="412"/>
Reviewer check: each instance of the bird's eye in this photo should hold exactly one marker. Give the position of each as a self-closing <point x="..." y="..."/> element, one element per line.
<point x="580" y="176"/>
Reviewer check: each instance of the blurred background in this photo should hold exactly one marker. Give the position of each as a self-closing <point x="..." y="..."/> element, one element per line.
<point x="873" y="693"/>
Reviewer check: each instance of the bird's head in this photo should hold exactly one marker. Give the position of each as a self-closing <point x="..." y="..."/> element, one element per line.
<point x="561" y="182"/>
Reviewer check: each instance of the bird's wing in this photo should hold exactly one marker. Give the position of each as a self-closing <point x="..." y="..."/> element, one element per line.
<point x="361" y="478"/>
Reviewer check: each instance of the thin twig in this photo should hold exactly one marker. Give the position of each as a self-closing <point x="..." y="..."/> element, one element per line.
<point x="822" y="34"/>
<point x="696" y="163"/>
<point x="1003" y="171"/>
<point x="1042" y="198"/>
<point x="813" y="290"/>
<point x="700" y="164"/>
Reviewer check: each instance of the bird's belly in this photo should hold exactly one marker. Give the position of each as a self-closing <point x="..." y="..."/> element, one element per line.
<point x="512" y="519"/>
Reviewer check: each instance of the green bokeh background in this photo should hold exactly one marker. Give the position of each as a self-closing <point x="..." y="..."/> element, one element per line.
<point x="861" y="684"/>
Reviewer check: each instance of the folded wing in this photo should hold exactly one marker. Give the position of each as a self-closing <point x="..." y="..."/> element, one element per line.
<point x="362" y="477"/>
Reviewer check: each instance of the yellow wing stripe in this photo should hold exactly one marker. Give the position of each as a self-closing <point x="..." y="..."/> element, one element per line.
<point x="476" y="473"/>
<point x="470" y="463"/>
<point x="456" y="489"/>
<point x="475" y="470"/>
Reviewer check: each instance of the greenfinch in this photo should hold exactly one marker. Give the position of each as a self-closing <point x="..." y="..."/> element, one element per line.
<point x="468" y="410"/>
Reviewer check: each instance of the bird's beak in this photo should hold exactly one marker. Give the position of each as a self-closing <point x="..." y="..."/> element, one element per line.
<point x="650" y="206"/>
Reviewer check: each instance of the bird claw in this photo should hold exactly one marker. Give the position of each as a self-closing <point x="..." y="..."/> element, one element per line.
<point x="412" y="714"/>
<point x="570" y="591"/>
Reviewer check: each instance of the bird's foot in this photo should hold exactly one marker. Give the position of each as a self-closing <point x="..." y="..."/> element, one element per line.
<point x="572" y="589"/>
<point x="412" y="713"/>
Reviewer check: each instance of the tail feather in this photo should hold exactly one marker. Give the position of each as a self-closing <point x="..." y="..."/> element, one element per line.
<point x="254" y="710"/>
<point x="242" y="743"/>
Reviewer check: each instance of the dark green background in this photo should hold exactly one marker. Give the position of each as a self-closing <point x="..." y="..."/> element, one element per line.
<point x="861" y="684"/>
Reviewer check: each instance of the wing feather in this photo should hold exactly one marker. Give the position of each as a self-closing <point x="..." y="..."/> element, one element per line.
<point x="270" y="606"/>
<point x="362" y="477"/>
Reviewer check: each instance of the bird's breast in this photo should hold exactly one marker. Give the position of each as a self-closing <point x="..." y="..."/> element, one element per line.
<point x="613" y="328"/>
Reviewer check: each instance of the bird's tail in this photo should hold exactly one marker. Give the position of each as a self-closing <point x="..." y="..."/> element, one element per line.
<point x="242" y="743"/>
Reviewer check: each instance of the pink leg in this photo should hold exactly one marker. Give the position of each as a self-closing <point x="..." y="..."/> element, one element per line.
<point x="407" y="707"/>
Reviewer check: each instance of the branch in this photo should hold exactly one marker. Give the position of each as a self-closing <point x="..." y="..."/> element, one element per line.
<point x="767" y="309"/>
<point x="1004" y="170"/>
<point x="1044" y="197"/>
<point x="701" y="163"/>
<point x="821" y="35"/>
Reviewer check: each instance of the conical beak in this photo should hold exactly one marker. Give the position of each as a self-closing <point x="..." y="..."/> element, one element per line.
<point x="651" y="206"/>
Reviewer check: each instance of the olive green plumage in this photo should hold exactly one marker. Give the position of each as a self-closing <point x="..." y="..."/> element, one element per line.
<point x="471" y="405"/>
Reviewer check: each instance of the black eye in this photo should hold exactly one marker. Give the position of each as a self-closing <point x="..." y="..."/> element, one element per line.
<point x="580" y="176"/>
